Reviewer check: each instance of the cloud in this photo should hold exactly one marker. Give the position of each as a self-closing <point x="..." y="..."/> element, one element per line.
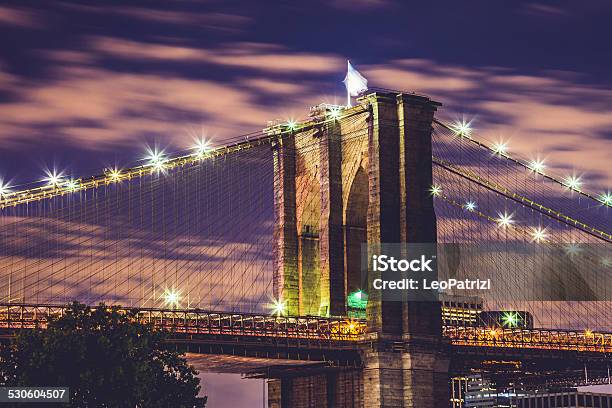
<point x="68" y="57"/>
<point x="13" y="16"/>
<point x="209" y="20"/>
<point x="544" y="10"/>
<point x="537" y="114"/>
<point x="274" y="87"/>
<point x="100" y="108"/>
<point x="256" y="56"/>
<point x="222" y="21"/>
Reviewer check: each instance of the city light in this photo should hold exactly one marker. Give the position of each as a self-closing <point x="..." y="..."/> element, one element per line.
<point x="470" y="206"/>
<point x="606" y="262"/>
<point x="156" y="159"/>
<point x="572" y="249"/>
<point x="538" y="234"/>
<point x="462" y="127"/>
<point x="537" y="166"/>
<point x="511" y="319"/>
<point x="4" y="189"/>
<point x="71" y="185"/>
<point x="435" y="190"/>
<point x="53" y="178"/>
<point x="504" y="220"/>
<point x="172" y="298"/>
<point x="573" y="182"/>
<point x="606" y="198"/>
<point x="588" y="333"/>
<point x="357" y="299"/>
<point x="279" y="308"/>
<point x="500" y="148"/>
<point x="291" y="124"/>
<point x="201" y="147"/>
<point x="115" y="174"/>
<point x="335" y="112"/>
<point x="494" y="332"/>
<point x="358" y="294"/>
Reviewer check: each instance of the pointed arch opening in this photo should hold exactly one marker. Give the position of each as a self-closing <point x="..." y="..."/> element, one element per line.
<point x="355" y="234"/>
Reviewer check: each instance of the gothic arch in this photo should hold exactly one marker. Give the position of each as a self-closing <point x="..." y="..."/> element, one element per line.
<point x="355" y="229"/>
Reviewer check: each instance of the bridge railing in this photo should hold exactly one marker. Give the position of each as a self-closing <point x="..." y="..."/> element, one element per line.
<point x="549" y="339"/>
<point x="197" y="322"/>
<point x="333" y="329"/>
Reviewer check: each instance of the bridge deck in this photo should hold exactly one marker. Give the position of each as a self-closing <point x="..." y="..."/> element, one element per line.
<point x="338" y="332"/>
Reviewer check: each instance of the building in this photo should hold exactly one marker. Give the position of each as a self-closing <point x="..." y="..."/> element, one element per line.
<point x="569" y="399"/>
<point x="475" y="391"/>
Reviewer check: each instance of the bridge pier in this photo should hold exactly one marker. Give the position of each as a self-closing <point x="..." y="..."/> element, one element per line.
<point x="398" y="379"/>
<point x="389" y="379"/>
<point x="335" y="389"/>
<point x="363" y="180"/>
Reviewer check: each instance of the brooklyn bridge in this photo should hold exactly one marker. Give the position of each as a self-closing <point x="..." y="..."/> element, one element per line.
<point x="250" y="253"/>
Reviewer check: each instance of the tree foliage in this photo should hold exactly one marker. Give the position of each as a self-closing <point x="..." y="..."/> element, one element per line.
<point x="106" y="357"/>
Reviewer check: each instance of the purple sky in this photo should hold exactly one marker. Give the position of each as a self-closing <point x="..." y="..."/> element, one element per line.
<point x="84" y="85"/>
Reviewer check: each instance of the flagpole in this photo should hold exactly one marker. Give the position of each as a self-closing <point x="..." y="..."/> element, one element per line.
<point x="348" y="93"/>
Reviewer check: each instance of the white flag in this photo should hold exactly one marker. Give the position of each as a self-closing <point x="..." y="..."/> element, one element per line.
<point x="355" y="82"/>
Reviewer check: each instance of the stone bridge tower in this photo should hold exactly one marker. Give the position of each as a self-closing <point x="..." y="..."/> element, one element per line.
<point x="340" y="183"/>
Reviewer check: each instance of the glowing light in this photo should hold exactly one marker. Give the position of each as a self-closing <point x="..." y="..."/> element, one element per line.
<point x="53" y="178"/>
<point x="500" y="148"/>
<point x="4" y="189"/>
<point x="538" y="234"/>
<point x="201" y="147"/>
<point x="606" y="198"/>
<point x="115" y="174"/>
<point x="511" y="319"/>
<point x="470" y="206"/>
<point x="172" y="298"/>
<point x="494" y="332"/>
<point x="462" y="127"/>
<point x="607" y="262"/>
<point x="71" y="185"/>
<point x="588" y="333"/>
<point x="537" y="166"/>
<point x="504" y="220"/>
<point x="573" y="182"/>
<point x="335" y="112"/>
<point x="435" y="190"/>
<point x="279" y="308"/>
<point x="156" y="159"/>
<point x="351" y="326"/>
<point x="573" y="249"/>
<point x="291" y="124"/>
<point x="357" y="299"/>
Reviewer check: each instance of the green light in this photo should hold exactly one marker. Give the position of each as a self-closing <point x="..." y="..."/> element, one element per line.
<point x="511" y="319"/>
<point x="357" y="300"/>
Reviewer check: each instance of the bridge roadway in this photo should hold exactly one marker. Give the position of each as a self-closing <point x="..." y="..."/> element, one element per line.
<point x="332" y="333"/>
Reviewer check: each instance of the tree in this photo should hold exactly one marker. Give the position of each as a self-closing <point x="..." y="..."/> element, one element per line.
<point x="106" y="357"/>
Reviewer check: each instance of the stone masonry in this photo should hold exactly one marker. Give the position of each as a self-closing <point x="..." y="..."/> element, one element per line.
<point x="322" y="201"/>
